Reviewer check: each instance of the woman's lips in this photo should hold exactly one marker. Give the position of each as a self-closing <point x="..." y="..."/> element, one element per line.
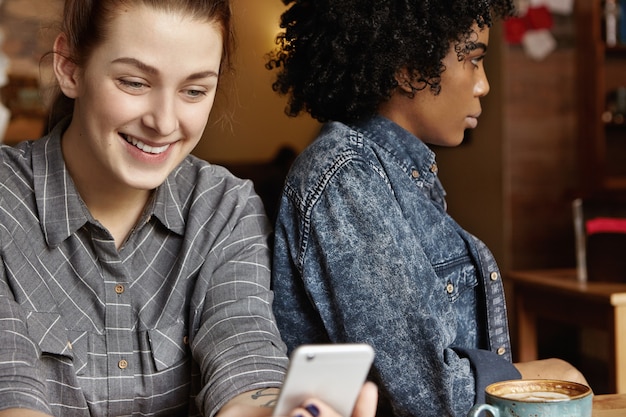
<point x="144" y="147"/>
<point x="472" y="121"/>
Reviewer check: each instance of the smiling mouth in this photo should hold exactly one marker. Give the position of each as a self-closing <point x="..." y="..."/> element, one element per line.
<point x="145" y="148"/>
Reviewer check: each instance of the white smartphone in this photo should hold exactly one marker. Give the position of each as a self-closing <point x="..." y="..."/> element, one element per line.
<point x="333" y="373"/>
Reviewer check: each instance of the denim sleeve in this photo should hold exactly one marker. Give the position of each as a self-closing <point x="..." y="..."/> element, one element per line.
<point x="349" y="267"/>
<point x="488" y="368"/>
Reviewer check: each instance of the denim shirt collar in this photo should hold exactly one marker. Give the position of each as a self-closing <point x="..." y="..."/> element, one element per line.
<point x="407" y="148"/>
<point x="414" y="155"/>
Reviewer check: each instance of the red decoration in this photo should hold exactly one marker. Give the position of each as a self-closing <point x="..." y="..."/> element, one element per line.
<point x="606" y="225"/>
<point x="539" y="18"/>
<point x="514" y="29"/>
<point x="536" y="18"/>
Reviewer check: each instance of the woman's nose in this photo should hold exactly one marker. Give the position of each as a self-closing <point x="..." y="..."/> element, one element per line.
<point x="481" y="88"/>
<point x="162" y="117"/>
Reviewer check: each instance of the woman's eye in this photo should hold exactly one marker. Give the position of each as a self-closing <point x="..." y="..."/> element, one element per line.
<point x="477" y="60"/>
<point x="195" y="94"/>
<point x="135" y="85"/>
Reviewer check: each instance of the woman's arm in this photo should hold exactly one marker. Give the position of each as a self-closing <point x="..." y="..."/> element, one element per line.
<point x="249" y="404"/>
<point x="550" y="369"/>
<point x="22" y="412"/>
<point x="237" y="344"/>
<point x="20" y="386"/>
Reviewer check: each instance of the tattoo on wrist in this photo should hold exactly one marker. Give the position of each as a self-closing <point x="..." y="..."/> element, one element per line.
<point x="270" y="399"/>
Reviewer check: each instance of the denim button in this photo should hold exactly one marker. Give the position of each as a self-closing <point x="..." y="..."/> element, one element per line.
<point x="449" y="288"/>
<point x="494" y="276"/>
<point x="501" y="351"/>
<point x="415" y="174"/>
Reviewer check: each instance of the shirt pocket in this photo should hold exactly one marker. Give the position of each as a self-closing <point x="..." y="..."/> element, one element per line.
<point x="49" y="333"/>
<point x="169" y="345"/>
<point x="458" y="276"/>
<point x="47" y="330"/>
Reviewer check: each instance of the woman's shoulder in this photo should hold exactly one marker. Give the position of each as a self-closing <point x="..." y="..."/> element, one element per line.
<point x="196" y="172"/>
<point x="16" y="161"/>
<point x="334" y="138"/>
<point x="337" y="148"/>
<point x="335" y="142"/>
<point x="18" y="151"/>
<point x="196" y="180"/>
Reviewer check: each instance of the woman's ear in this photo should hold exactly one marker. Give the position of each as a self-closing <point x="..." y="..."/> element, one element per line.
<point x="404" y="81"/>
<point x="65" y="70"/>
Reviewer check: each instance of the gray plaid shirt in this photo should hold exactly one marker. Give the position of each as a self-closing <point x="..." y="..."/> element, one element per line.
<point x="176" y="322"/>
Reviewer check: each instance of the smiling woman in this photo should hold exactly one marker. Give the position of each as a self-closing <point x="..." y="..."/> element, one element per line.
<point x="148" y="104"/>
<point x="134" y="277"/>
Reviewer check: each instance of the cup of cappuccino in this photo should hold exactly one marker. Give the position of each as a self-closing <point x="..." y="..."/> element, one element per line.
<point x="535" y="397"/>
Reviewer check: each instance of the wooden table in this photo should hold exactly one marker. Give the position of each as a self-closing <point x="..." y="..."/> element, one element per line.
<point x="613" y="405"/>
<point x="557" y="295"/>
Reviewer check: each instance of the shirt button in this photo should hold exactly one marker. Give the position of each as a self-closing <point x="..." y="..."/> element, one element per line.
<point x="123" y="364"/>
<point x="450" y="288"/>
<point x="415" y="173"/>
<point x="119" y="288"/>
<point x="434" y="169"/>
<point x="494" y="276"/>
<point x="186" y="340"/>
<point x="501" y="351"/>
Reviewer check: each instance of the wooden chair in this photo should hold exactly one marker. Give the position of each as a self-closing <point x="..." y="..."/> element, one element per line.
<point x="600" y="230"/>
<point x="591" y="296"/>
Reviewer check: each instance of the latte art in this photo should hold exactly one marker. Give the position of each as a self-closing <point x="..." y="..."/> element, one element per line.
<point x="537" y="396"/>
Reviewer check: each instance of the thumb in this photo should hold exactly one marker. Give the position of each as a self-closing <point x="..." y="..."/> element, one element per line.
<point x="366" y="402"/>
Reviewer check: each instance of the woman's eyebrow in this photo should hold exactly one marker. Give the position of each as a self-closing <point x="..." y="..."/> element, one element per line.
<point x="478" y="45"/>
<point x="201" y="75"/>
<point x="154" y="71"/>
<point x="137" y="63"/>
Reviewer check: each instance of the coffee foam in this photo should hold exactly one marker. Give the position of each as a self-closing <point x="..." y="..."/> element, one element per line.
<point x="536" y="396"/>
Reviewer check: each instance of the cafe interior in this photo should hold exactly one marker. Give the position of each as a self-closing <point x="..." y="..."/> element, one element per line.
<point x="548" y="158"/>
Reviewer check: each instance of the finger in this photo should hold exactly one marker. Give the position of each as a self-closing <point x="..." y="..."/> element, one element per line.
<point x="367" y="401"/>
<point x="314" y="408"/>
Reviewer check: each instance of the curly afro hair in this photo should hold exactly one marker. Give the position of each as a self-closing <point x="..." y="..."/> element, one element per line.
<point x="338" y="59"/>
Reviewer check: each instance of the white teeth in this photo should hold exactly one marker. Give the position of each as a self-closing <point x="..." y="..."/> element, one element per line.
<point x="146" y="148"/>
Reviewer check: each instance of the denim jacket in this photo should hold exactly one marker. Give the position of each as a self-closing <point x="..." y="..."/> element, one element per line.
<point x="365" y="252"/>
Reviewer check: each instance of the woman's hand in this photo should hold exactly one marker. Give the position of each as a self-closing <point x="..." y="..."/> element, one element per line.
<point x="243" y="406"/>
<point x="550" y="369"/>
<point x="365" y="405"/>
<point x="367" y="402"/>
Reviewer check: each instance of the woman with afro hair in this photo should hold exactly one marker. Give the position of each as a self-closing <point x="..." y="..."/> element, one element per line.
<point x="364" y="249"/>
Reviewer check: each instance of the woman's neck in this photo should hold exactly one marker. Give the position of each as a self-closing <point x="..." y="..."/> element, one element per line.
<point x="116" y="205"/>
<point x="118" y="212"/>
